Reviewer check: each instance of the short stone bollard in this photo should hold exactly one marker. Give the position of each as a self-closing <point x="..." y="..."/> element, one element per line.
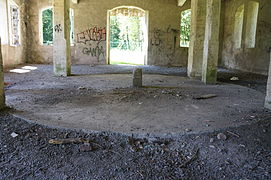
<point x="137" y="77"/>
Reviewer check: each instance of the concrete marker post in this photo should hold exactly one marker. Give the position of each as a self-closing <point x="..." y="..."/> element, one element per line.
<point x="137" y="77"/>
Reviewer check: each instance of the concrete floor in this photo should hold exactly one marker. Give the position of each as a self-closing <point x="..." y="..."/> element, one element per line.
<point x="101" y="99"/>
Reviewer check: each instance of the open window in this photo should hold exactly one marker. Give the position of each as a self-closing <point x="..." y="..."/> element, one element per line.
<point x="47" y="32"/>
<point x="185" y="28"/>
<point x="251" y="24"/>
<point x="14" y="23"/>
<point x="47" y="26"/>
<point x="238" y="27"/>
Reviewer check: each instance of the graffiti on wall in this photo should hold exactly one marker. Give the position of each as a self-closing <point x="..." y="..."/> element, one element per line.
<point x="92" y="41"/>
<point x="14" y="19"/>
<point x="164" y="43"/>
<point x="58" y="28"/>
<point x="92" y="34"/>
<point x="94" y="51"/>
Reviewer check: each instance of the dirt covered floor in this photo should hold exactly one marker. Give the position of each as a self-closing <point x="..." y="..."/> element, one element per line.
<point x="102" y="99"/>
<point x="158" y="132"/>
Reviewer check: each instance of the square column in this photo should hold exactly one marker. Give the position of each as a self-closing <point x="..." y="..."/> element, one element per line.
<point x="62" y="47"/>
<point x="268" y="92"/>
<point x="2" y="92"/>
<point x="195" y="53"/>
<point x="211" y="43"/>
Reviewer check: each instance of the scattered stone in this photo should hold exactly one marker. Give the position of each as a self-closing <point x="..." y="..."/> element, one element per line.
<point x="86" y="147"/>
<point x="242" y="145"/>
<point x="221" y="136"/>
<point x="234" y="79"/>
<point x="212" y="146"/>
<point x="188" y="130"/>
<point x="14" y="135"/>
<point x="212" y="140"/>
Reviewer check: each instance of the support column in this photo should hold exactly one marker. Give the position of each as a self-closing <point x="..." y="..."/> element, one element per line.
<point x="195" y="53"/>
<point x="268" y="92"/>
<point x="2" y="93"/>
<point x="211" y="43"/>
<point x="62" y="52"/>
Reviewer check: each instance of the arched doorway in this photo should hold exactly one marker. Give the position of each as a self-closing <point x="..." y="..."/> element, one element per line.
<point x="127" y="40"/>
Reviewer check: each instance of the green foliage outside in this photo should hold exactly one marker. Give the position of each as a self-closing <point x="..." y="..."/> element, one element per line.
<point x="47" y="25"/>
<point x="185" y="28"/>
<point x="126" y="33"/>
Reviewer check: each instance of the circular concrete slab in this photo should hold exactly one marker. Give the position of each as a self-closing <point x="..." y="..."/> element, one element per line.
<point x="166" y="104"/>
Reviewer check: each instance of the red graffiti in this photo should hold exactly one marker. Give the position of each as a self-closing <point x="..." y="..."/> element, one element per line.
<point x="92" y="34"/>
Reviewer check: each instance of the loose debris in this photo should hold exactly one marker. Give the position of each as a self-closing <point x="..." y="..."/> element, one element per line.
<point x="69" y="141"/>
<point x="221" y="136"/>
<point x="191" y="159"/>
<point x="82" y="88"/>
<point x="207" y="96"/>
<point x="234" y="79"/>
<point x="14" y="134"/>
<point x="234" y="134"/>
<point x="86" y="147"/>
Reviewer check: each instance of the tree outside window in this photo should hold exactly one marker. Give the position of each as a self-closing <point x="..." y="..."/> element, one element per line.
<point x="185" y="28"/>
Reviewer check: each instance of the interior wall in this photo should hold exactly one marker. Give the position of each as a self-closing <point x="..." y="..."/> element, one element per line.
<point x="256" y="59"/>
<point x="12" y="55"/>
<point x="164" y="34"/>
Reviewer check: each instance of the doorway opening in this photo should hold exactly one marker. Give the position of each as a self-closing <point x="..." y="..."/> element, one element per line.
<point x="128" y="36"/>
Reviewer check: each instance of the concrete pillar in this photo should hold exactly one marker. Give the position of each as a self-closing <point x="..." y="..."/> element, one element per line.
<point x="211" y="42"/>
<point x="195" y="53"/>
<point x="62" y="52"/>
<point x="268" y="92"/>
<point x="2" y="93"/>
<point x="137" y="77"/>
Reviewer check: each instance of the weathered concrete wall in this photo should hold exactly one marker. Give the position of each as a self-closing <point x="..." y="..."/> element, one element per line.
<point x="247" y="59"/>
<point x="2" y="91"/>
<point x="164" y="25"/>
<point x="268" y="92"/>
<point x="13" y="55"/>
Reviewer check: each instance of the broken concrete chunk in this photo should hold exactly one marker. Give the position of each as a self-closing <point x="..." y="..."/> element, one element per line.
<point x="14" y="134"/>
<point x="207" y="96"/>
<point x="221" y="136"/>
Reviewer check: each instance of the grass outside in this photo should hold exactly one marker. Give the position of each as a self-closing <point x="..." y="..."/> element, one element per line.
<point x="126" y="57"/>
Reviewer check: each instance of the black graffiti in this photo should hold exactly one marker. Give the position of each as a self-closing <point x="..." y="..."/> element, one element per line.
<point x="58" y="28"/>
<point x="96" y="51"/>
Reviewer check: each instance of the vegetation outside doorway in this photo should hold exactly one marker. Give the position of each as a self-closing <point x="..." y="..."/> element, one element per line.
<point x="128" y="39"/>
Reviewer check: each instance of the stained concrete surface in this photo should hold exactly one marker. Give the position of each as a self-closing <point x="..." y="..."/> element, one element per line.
<point x="94" y="100"/>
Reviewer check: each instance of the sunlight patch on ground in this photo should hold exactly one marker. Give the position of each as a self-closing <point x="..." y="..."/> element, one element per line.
<point x="29" y="67"/>
<point x="126" y="57"/>
<point x="25" y="69"/>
